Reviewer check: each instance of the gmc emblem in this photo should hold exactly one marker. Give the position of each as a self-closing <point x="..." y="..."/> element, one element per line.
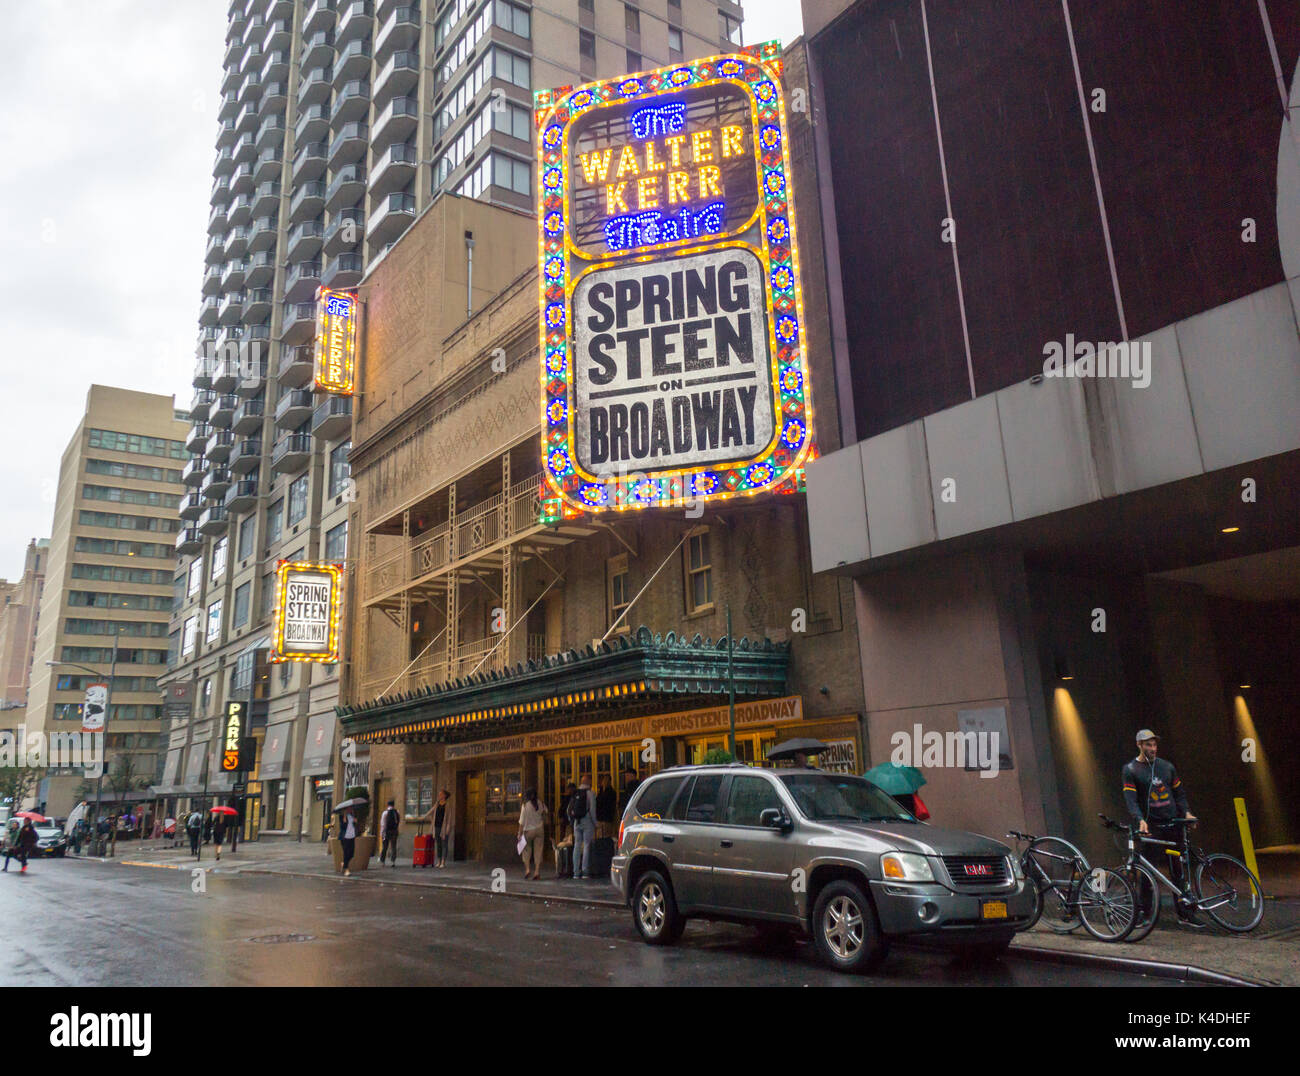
<point x="982" y="870"/>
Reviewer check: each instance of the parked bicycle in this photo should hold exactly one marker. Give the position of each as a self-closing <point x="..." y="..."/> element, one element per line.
<point x="1071" y="893"/>
<point x="1220" y="885"/>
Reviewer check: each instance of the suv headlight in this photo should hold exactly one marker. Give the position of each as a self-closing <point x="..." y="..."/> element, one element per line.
<point x="906" y="867"/>
<point x="1017" y="871"/>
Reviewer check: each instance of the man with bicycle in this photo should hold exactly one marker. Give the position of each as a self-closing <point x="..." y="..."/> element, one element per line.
<point x="1154" y="795"/>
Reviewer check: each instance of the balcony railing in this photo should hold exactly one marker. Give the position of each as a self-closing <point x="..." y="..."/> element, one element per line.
<point x="504" y="517"/>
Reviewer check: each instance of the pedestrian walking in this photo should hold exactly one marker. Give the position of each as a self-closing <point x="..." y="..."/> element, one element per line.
<point x="218" y="832"/>
<point x="194" y="827"/>
<point x="564" y="834"/>
<point x="348" y="830"/>
<point x="22" y="845"/>
<point x="236" y="824"/>
<point x="440" y="813"/>
<point x="389" y="822"/>
<point x="606" y="807"/>
<point x="582" y="813"/>
<point x="532" y="830"/>
<point x="207" y="829"/>
<point x="630" y="783"/>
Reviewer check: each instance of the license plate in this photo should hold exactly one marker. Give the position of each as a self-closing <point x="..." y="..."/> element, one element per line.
<point x="993" y="909"/>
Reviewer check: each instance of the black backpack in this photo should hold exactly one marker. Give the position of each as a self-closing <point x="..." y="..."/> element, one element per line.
<point x="578" y="805"/>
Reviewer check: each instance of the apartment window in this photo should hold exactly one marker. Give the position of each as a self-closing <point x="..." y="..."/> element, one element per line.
<point x="336" y="542"/>
<point x="207" y="693"/>
<point x="512" y="18"/>
<point x="513" y="68"/>
<point x="130" y="523"/>
<point x="587" y="5"/>
<point x="730" y="28"/>
<point x="274" y="522"/>
<point x="268" y="595"/>
<point x="243" y="595"/>
<point x="247" y="534"/>
<point x="699" y="571"/>
<point x="675" y="7"/>
<point x="513" y="120"/>
<point x="340" y="470"/>
<point x="587" y="44"/>
<point x="189" y="635"/>
<point x="219" y="558"/>
<point x="195" y="577"/>
<point x="130" y="496"/>
<point x="631" y="19"/>
<point x="131" y="442"/>
<point x="512" y="174"/>
<point x="633" y="60"/>
<point x="114" y="627"/>
<point x="297" y="499"/>
<point x="674" y="43"/>
<point x="132" y="470"/>
<point x="617" y="590"/>
<point x="112" y="547"/>
<point x="213" y="632"/>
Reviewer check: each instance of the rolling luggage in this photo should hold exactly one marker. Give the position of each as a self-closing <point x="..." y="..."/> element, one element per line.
<point x="602" y="857"/>
<point x="424" y="852"/>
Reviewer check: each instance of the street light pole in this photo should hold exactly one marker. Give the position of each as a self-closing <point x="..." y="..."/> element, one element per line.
<point x="108" y="709"/>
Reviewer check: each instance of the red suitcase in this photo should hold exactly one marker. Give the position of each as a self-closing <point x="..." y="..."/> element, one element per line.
<point x="424" y="849"/>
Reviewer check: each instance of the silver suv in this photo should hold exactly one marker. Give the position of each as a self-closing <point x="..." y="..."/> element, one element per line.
<point x="829" y="854"/>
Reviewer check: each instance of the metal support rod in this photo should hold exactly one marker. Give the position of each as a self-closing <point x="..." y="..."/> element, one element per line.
<point x="643" y="589"/>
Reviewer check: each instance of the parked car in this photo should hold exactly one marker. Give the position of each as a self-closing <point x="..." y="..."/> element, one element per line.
<point x="828" y="854"/>
<point x="50" y="840"/>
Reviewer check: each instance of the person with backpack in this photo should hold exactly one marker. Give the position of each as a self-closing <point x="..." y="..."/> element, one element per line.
<point x="582" y="813"/>
<point x="389" y="822"/>
<point x="194" y="827"/>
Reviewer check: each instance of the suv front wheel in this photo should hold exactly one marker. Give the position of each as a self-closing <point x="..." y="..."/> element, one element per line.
<point x="654" y="910"/>
<point x="845" y="931"/>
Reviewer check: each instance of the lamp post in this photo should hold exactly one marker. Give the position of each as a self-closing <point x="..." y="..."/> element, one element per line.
<point x="108" y="703"/>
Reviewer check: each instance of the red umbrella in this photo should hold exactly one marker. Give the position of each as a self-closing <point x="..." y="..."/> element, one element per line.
<point x="223" y="810"/>
<point x="32" y="815"/>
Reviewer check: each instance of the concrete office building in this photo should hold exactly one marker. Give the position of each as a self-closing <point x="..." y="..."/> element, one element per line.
<point x="340" y="122"/>
<point x="20" y="605"/>
<point x="1049" y="537"/>
<point x="108" y="586"/>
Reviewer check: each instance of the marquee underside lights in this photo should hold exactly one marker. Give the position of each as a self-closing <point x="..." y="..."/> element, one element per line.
<point x="673" y="366"/>
<point x="336" y="342"/>
<point x="308" y="607"/>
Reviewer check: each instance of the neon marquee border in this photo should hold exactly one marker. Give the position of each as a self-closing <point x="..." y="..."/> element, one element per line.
<point x="568" y="491"/>
<point x="282" y="570"/>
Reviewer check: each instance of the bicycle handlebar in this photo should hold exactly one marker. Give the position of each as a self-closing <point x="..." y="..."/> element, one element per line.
<point x="1018" y="836"/>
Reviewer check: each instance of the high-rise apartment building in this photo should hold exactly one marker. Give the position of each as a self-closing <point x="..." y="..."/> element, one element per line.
<point x="108" y="585"/>
<point x="339" y="123"/>
<point x="20" y="604"/>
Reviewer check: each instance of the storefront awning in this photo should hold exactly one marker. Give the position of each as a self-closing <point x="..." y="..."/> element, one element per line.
<point x="628" y="675"/>
<point x="194" y="769"/>
<point x="318" y="751"/>
<point x="275" y="749"/>
<point x="171" y="769"/>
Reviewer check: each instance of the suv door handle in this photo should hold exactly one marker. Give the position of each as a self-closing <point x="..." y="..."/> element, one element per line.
<point x="726" y="844"/>
<point x="667" y="839"/>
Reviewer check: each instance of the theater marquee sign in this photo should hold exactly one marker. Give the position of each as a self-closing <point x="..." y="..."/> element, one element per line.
<point x="671" y="318"/>
<point x="308" y="607"/>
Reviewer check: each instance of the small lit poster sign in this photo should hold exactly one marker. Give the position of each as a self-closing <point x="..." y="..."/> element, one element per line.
<point x="336" y="341"/>
<point x="232" y="736"/>
<point x="308" y="604"/>
<point x="673" y="366"/>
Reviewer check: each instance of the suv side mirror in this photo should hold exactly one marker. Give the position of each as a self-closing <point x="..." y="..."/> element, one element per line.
<point x="775" y="818"/>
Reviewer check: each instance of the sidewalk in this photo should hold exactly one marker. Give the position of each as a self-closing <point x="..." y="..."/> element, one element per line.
<point x="1270" y="955"/>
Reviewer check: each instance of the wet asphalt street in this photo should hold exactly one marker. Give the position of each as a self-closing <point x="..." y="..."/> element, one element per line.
<point x="83" y="923"/>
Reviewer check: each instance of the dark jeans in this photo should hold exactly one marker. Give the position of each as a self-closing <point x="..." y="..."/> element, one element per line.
<point x="19" y="854"/>
<point x="440" y="849"/>
<point x="349" y="845"/>
<point x="389" y="843"/>
<point x="194" y="842"/>
<point x="1164" y="832"/>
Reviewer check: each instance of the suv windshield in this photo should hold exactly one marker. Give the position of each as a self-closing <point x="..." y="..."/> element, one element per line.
<point x="838" y="797"/>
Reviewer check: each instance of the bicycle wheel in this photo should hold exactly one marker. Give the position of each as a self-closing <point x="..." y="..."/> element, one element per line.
<point x="1058" y="861"/>
<point x="1146" y="894"/>
<point x="1031" y="884"/>
<point x="1106" y="904"/>
<point x="1220" y="876"/>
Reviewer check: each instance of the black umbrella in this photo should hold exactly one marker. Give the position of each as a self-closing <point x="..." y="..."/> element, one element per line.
<point x="798" y="746"/>
<point x="358" y="801"/>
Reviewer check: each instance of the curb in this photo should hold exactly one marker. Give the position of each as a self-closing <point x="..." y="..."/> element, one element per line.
<point x="1157" y="968"/>
<point x="538" y="897"/>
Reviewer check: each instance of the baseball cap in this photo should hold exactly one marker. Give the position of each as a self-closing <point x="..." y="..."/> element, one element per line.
<point x="1146" y="734"/>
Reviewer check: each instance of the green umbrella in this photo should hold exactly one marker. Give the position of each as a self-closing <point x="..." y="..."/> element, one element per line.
<point x="895" y="779"/>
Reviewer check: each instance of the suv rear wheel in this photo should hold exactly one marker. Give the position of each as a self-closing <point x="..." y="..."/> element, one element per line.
<point x="845" y="931"/>
<point x="654" y="910"/>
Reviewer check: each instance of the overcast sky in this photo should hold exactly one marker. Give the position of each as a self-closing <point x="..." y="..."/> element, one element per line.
<point x="108" y="124"/>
